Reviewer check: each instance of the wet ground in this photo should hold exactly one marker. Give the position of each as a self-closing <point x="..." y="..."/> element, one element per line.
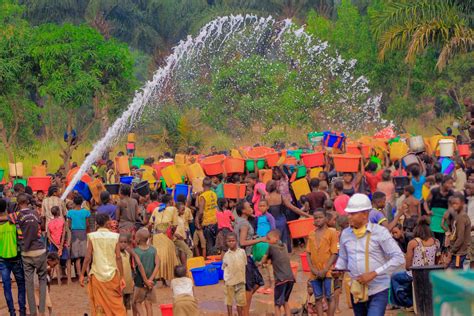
<point x="72" y="300"/>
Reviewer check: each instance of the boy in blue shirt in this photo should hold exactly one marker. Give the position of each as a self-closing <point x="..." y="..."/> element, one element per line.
<point x="79" y="224"/>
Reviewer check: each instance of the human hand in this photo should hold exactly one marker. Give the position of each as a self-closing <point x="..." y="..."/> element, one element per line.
<point x="367" y="277"/>
<point x="81" y="280"/>
<point x="149" y="283"/>
<point x="122" y="284"/>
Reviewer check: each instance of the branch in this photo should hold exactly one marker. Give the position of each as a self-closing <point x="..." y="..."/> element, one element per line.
<point x="17" y="123"/>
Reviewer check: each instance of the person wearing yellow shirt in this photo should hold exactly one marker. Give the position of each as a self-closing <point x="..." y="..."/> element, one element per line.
<point x="206" y="218"/>
<point x="149" y="173"/>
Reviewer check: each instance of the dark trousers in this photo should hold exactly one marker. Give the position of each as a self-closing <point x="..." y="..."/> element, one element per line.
<point x="210" y="233"/>
<point x="375" y="306"/>
<point x="15" y="266"/>
<point x="39" y="265"/>
<point x="402" y="289"/>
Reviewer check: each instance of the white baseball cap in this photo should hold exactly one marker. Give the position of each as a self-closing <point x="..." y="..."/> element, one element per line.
<point x="358" y="203"/>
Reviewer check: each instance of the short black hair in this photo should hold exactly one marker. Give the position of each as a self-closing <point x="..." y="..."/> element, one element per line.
<point x="314" y="183"/>
<point x="18" y="187"/>
<point x="166" y="198"/>
<point x="339" y="185"/>
<point x="53" y="256"/>
<point x="154" y="195"/>
<point x="22" y="198"/>
<point x="55" y="211"/>
<point x="181" y="198"/>
<point x="125" y="189"/>
<point x="78" y="200"/>
<point x="101" y="219"/>
<point x="180" y="271"/>
<point x="105" y="197"/>
<point x="378" y="195"/>
<point x="410" y="189"/>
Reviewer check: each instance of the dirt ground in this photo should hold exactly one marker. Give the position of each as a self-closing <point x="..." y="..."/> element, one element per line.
<point x="72" y="300"/>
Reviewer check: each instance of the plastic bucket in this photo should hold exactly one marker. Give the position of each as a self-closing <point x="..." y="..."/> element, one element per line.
<point x="315" y="138"/>
<point x="401" y="183"/>
<point x="213" y="165"/>
<point x="272" y="159"/>
<point x="137" y="162"/>
<point x="218" y="266"/>
<point x="300" y="172"/>
<point x="131" y="138"/>
<point x="265" y="175"/>
<point x="38" y="171"/>
<point x="113" y="188"/>
<point x="301" y="227"/>
<point x="180" y="189"/>
<point x="126" y="180"/>
<point x="290" y="161"/>
<point x="234" y="165"/>
<point x="463" y="150"/>
<point x="313" y="160"/>
<point x="294" y="268"/>
<point x="2" y="173"/>
<point x="453" y="292"/>
<point x="166" y="309"/>
<point x="171" y="175"/>
<point x="314" y="173"/>
<point x="446" y="148"/>
<point x="206" y="275"/>
<point x="83" y="189"/>
<point x="250" y="164"/>
<point x="304" y="262"/>
<point x="121" y="165"/>
<point x="333" y="140"/>
<point x="22" y="181"/>
<point x="180" y="159"/>
<point x="409" y="160"/>
<point x="195" y="171"/>
<point x="234" y="191"/>
<point x="354" y="149"/>
<point x="346" y="162"/>
<point x="398" y="150"/>
<point x="295" y="153"/>
<point x="447" y="165"/>
<point x="39" y="183"/>
<point x="259" y="152"/>
<point x="15" y="169"/>
<point x="417" y="144"/>
<point x="143" y="188"/>
<point x="300" y="187"/>
<point x="96" y="187"/>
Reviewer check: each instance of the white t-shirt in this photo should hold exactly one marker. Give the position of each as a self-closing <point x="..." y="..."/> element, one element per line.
<point x="182" y="286"/>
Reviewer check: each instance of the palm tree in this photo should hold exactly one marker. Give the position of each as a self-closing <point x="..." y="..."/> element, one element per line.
<point x="415" y="25"/>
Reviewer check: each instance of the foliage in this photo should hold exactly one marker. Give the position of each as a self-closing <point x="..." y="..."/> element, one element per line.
<point x="415" y="25"/>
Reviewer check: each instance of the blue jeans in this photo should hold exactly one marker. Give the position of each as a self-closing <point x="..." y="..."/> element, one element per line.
<point x="375" y="306"/>
<point x="322" y="288"/>
<point x="402" y="289"/>
<point x="15" y="265"/>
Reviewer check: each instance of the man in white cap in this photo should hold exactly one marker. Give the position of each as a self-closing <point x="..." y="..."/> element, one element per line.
<point x="370" y="255"/>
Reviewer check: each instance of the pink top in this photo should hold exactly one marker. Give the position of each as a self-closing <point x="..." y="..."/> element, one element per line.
<point x="257" y="197"/>
<point x="224" y="219"/>
<point x="55" y="227"/>
<point x="340" y="203"/>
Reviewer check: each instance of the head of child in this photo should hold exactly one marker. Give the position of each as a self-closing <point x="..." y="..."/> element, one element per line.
<point x="231" y="241"/>
<point x="408" y="191"/>
<point x="232" y="203"/>
<point x="206" y="184"/>
<point x="314" y="184"/>
<point x="386" y="175"/>
<point x="320" y="218"/>
<point x="332" y="218"/>
<point x="372" y="167"/>
<point x="323" y="176"/>
<point x="338" y="187"/>
<point x="181" y="207"/>
<point x="348" y="177"/>
<point x="263" y="206"/>
<point x="273" y="236"/>
<point x="379" y="200"/>
<point x="328" y="205"/>
<point x="104" y="197"/>
<point x="125" y="190"/>
<point x="323" y="186"/>
<point x="447" y="183"/>
<point x="40" y="195"/>
<point x="52" y="260"/>
<point x="251" y="180"/>
<point x="342" y="222"/>
<point x="124" y="241"/>
<point x="415" y="171"/>
<point x="78" y="200"/>
<point x="430" y="181"/>
<point x="397" y="232"/>
<point x="55" y="211"/>
<point x="216" y="179"/>
<point x="167" y="199"/>
<point x="222" y="204"/>
<point x="142" y="236"/>
<point x="456" y="202"/>
<point x="180" y="271"/>
<point x="102" y="220"/>
<point x="179" y="198"/>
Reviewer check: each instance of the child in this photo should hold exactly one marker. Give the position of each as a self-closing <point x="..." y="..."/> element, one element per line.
<point x="461" y="228"/>
<point x="399" y="235"/>
<point x="386" y="186"/>
<point x="56" y="232"/>
<point x="411" y="209"/>
<point x="310" y="303"/>
<point x="284" y="278"/>
<point x="181" y="234"/>
<point x="258" y="189"/>
<point x="425" y="191"/>
<point x="322" y="249"/>
<point x="233" y="264"/>
<point x="144" y="284"/>
<point x="125" y="242"/>
<point x="79" y="224"/>
<point x="316" y="198"/>
<point x="225" y="218"/>
<point x="265" y="223"/>
<point x="184" y="302"/>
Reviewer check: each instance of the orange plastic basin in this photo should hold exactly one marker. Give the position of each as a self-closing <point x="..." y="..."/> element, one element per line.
<point x="313" y="159"/>
<point x="272" y="159"/>
<point x="353" y="149"/>
<point x="301" y="227"/>
<point x="213" y="165"/>
<point x="259" y="152"/>
<point x="346" y="162"/>
<point x="234" y="191"/>
<point x="234" y="165"/>
<point x="464" y="150"/>
<point x="39" y="183"/>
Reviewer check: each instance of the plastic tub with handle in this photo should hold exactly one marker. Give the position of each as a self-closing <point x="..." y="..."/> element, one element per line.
<point x="234" y="165"/>
<point x="304" y="262"/>
<point x="171" y="175"/>
<point x="272" y="159"/>
<point x="464" y="150"/>
<point x="250" y="164"/>
<point x="15" y="169"/>
<point x="354" y="149"/>
<point x="313" y="160"/>
<point x="137" y="162"/>
<point x="2" y="173"/>
<point x="417" y="144"/>
<point x="301" y="227"/>
<point x="234" y="191"/>
<point x="121" y="165"/>
<point x="398" y="150"/>
<point x="446" y="148"/>
<point x="346" y="162"/>
<point x="213" y="165"/>
<point x="39" y="183"/>
<point x="206" y="275"/>
<point x="166" y="309"/>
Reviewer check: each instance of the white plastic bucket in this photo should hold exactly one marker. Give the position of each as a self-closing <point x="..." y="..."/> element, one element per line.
<point x="416" y="144"/>
<point x="446" y="148"/>
<point x="15" y="170"/>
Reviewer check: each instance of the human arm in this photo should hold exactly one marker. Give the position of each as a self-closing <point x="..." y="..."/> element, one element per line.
<point x="139" y="265"/>
<point x="427" y="203"/>
<point x="118" y="210"/>
<point x="392" y="251"/>
<point x="87" y="262"/>
<point x="243" y="238"/>
<point x="118" y="261"/>
<point x="410" y="251"/>
<point x="444" y="220"/>
<point x="293" y="208"/>
<point x="460" y="233"/>
<point x="156" y="270"/>
<point x="201" y="204"/>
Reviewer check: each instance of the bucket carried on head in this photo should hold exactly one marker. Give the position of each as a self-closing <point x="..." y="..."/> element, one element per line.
<point x="417" y="144"/>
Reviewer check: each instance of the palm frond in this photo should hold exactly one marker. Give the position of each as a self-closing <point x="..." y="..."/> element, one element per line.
<point x="461" y="42"/>
<point x="395" y="38"/>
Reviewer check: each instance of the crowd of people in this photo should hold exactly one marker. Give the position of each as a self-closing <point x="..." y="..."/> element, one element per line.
<point x="368" y="234"/>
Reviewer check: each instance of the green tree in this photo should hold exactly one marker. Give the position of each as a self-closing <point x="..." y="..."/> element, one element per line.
<point x="18" y="115"/>
<point x="82" y="73"/>
<point x="415" y="25"/>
